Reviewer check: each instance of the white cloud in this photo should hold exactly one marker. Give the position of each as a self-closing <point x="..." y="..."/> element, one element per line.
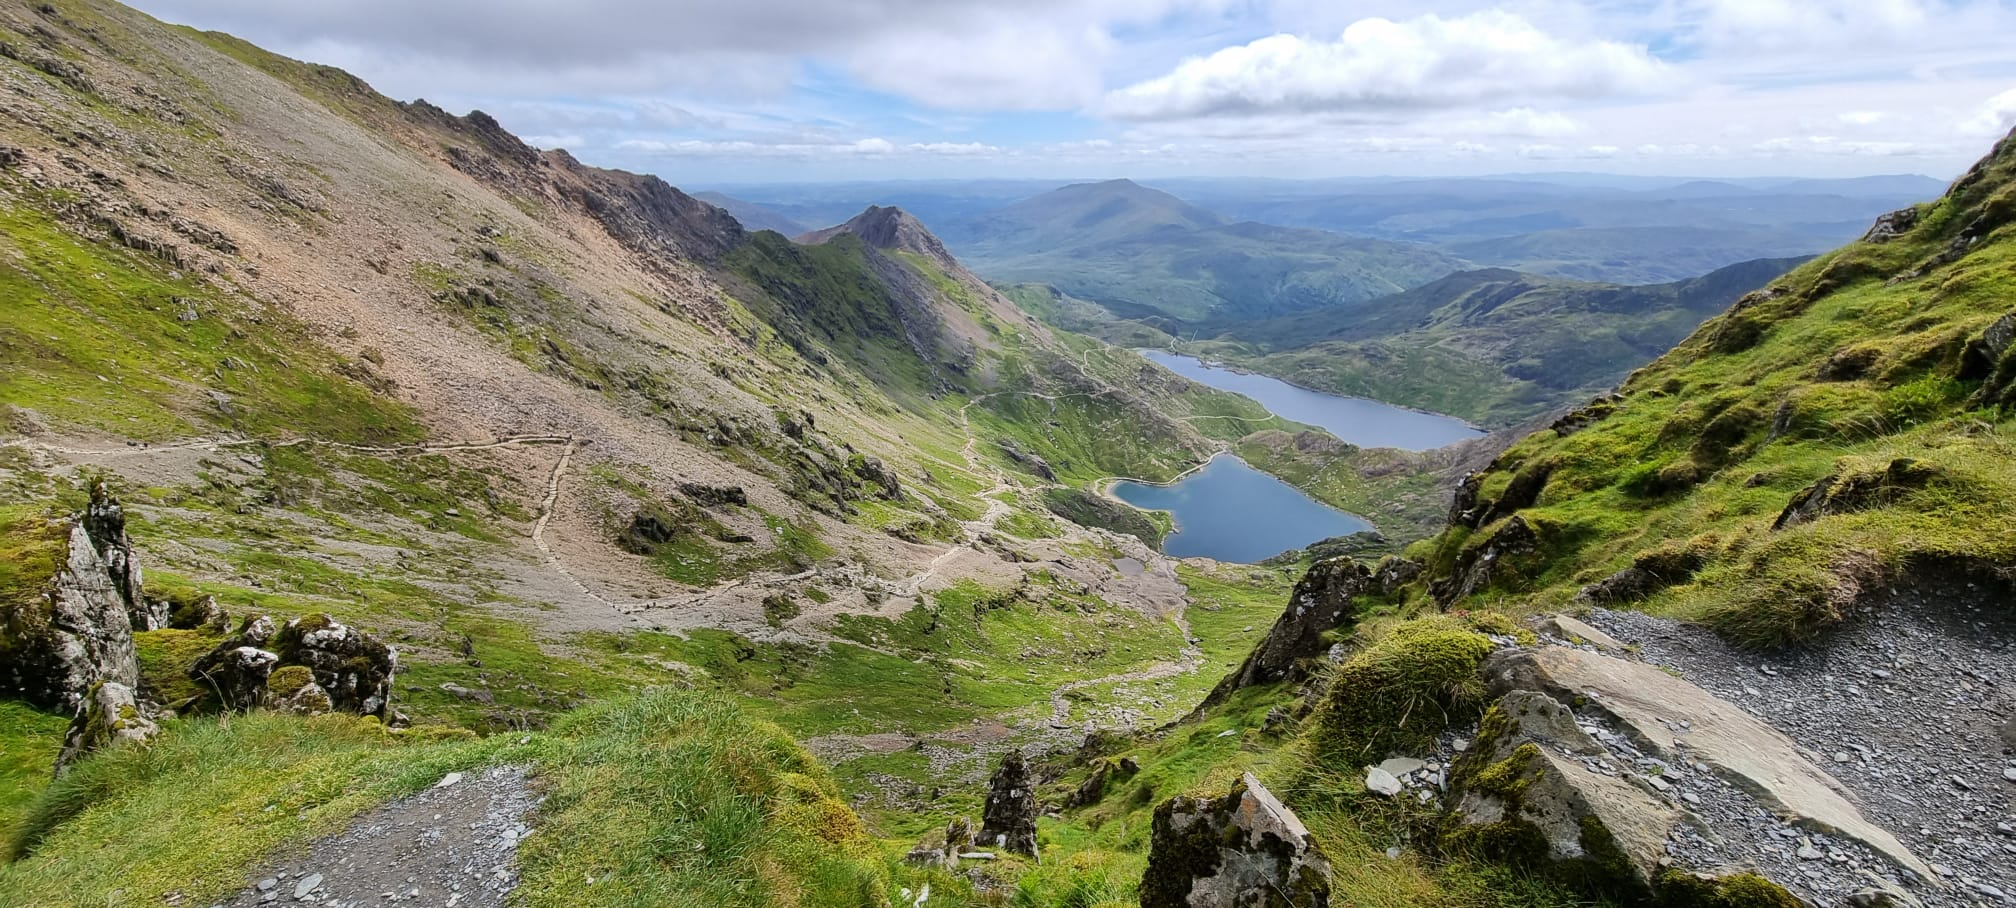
<point x="1996" y="116"/>
<point x="1382" y="65"/>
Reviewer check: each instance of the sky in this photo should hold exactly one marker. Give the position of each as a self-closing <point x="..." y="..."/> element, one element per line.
<point x="827" y="90"/>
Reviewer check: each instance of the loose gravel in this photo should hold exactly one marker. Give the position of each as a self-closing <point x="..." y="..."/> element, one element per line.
<point x="1904" y="705"/>
<point x="452" y="846"/>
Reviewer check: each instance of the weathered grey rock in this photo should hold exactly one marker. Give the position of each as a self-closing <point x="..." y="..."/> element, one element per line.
<point x="1009" y="820"/>
<point x="942" y="848"/>
<point x="355" y="668"/>
<point x="237" y="675"/>
<point x="878" y="474"/>
<point x="104" y="521"/>
<point x="1380" y="781"/>
<point x="1574" y="630"/>
<point x="2009" y="735"/>
<point x="111" y="714"/>
<point x="79" y="632"/>
<point x="1892" y="225"/>
<point x="1325" y="600"/>
<point x="1521" y="791"/>
<point x="1244" y="850"/>
<point x="1661" y="713"/>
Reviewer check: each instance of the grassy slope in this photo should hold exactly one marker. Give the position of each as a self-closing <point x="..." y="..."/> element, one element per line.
<point x="709" y="806"/>
<point x="1849" y="365"/>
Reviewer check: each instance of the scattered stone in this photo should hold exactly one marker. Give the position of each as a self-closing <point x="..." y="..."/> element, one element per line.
<point x="1403" y="766"/>
<point x="1244" y="849"/>
<point x="1379" y="781"/>
<point x="307" y="885"/>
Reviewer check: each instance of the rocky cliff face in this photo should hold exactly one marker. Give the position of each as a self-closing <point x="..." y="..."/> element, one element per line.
<point x="79" y="630"/>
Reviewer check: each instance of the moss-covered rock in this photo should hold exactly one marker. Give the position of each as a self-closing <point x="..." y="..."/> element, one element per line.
<point x="1397" y="694"/>
<point x="1520" y="795"/>
<point x="353" y="667"/>
<point x="1245" y="849"/>
<point x="112" y="714"/>
<point x="65" y="620"/>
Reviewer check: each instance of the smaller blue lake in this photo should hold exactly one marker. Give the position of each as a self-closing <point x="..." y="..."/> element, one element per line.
<point x="1232" y="512"/>
<point x="1362" y="422"/>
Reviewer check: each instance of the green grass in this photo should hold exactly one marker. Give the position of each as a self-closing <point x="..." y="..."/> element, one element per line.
<point x="158" y="383"/>
<point x="29" y="741"/>
<point x="667" y="798"/>
<point x="1849" y="366"/>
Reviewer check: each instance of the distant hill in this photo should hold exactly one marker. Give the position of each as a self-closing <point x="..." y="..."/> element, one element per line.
<point x="1140" y="252"/>
<point x="1494" y="346"/>
<point x="751" y="216"/>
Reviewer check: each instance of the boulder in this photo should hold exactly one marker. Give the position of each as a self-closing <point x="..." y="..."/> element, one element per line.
<point x="1325" y="600"/>
<point x="353" y="667"/>
<point x="1891" y="226"/>
<point x="1522" y="793"/>
<point x="1009" y="820"/>
<point x="79" y="631"/>
<point x="1662" y="714"/>
<point x="197" y="613"/>
<point x="1244" y="850"/>
<point x="293" y="689"/>
<point x="942" y="848"/>
<point x="237" y="675"/>
<point x="1574" y="630"/>
<point x="112" y="713"/>
<point x="873" y="471"/>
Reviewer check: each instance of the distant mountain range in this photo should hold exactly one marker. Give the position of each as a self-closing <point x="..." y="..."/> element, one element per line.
<point x="1494" y="346"/>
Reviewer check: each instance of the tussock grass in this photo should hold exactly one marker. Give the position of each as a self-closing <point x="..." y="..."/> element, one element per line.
<point x="666" y="798"/>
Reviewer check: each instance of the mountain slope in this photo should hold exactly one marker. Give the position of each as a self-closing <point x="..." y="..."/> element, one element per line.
<point x="1145" y="254"/>
<point x="1492" y="346"/>
<point x="1832" y="436"/>
<point x="560" y="433"/>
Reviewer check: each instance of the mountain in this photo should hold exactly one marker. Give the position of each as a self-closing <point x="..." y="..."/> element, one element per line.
<point x="1142" y="253"/>
<point x="1493" y="346"/>
<point x="752" y="216"/>
<point x="525" y="446"/>
<point x="1616" y="230"/>
<point x="1083" y="215"/>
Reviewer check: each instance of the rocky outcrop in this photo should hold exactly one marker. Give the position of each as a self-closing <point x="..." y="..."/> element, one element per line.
<point x="1484" y="563"/>
<point x="1009" y="821"/>
<point x="1991" y="360"/>
<point x="1325" y="600"/>
<point x="1523" y="793"/>
<point x="1849" y="491"/>
<point x="1031" y="461"/>
<point x="105" y="522"/>
<point x="354" y="668"/>
<point x="1891" y="226"/>
<point x="79" y="631"/>
<point x="236" y="671"/>
<point x="876" y="473"/>
<point x="1244" y="850"/>
<point x="111" y="714"/>
<point x="1105" y="772"/>
<point x="1677" y="722"/>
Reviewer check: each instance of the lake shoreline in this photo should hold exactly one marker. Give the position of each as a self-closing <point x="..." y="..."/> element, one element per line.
<point x="1233" y="512"/>
<point x="1363" y="422"/>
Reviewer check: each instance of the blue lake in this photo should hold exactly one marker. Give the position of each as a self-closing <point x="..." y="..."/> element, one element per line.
<point x="1232" y="512"/>
<point x="1365" y="423"/>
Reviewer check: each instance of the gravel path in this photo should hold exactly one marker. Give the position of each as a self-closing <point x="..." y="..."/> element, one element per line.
<point x="1905" y="705"/>
<point x="453" y="845"/>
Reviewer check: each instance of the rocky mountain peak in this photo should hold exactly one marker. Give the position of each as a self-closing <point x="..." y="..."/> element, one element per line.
<point x="892" y="229"/>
